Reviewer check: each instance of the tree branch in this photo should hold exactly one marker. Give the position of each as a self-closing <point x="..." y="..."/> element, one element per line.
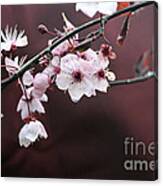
<point x="138" y="79"/>
<point x="35" y="59"/>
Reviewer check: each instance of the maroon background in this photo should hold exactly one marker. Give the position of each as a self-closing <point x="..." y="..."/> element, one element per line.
<point x="85" y="139"/>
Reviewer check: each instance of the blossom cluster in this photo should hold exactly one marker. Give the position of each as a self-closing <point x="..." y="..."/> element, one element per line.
<point x="80" y="73"/>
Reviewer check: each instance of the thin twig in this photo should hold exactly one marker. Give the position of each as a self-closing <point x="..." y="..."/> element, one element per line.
<point x="35" y="59"/>
<point x="138" y="79"/>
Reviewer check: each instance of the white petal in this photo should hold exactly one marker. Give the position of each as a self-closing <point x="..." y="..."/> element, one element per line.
<point x="63" y="81"/>
<point x="6" y="46"/>
<point x="22" y="41"/>
<point x="24" y="111"/>
<point x="89" y="9"/>
<point x="44" y="98"/>
<point x="31" y="131"/>
<point x="107" y="7"/>
<point x="42" y="132"/>
<point x="90" y="55"/>
<point x="68" y="24"/>
<point x="14" y="34"/>
<point x="27" y="78"/>
<point x="3" y="36"/>
<point x="20" y="105"/>
<point x="103" y="61"/>
<point x="36" y="105"/>
<point x="55" y="61"/>
<point x="110" y="76"/>
<point x="76" y="92"/>
<point x="89" y="89"/>
<point x="101" y="84"/>
<point x="23" y="141"/>
<point x="69" y="63"/>
<point x="11" y="66"/>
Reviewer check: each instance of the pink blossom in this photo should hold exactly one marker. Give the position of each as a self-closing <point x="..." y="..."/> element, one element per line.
<point x="75" y="76"/>
<point x="27" y="78"/>
<point x="102" y="75"/>
<point x="41" y="82"/>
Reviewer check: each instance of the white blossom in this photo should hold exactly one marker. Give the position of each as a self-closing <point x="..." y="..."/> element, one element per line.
<point x="91" y="8"/>
<point x="30" y="132"/>
<point x="13" y="39"/>
<point x="30" y="104"/>
<point x="75" y="76"/>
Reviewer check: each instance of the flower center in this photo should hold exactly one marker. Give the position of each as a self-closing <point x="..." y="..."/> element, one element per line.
<point x="13" y="47"/>
<point x="105" y="49"/>
<point x="101" y="73"/>
<point x="77" y="75"/>
<point x="57" y="70"/>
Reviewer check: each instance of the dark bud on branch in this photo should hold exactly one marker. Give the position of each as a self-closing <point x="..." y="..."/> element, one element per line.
<point x="43" y="29"/>
<point x="124" y="30"/>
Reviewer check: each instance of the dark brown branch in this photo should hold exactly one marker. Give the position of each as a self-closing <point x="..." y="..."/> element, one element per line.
<point x="138" y="79"/>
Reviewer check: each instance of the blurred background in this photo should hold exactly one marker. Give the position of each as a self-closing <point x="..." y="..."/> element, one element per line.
<point x="85" y="139"/>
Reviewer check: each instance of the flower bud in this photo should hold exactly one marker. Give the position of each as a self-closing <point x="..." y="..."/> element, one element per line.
<point x="43" y="29"/>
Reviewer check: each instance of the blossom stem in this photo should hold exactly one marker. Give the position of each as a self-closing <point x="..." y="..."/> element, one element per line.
<point x="24" y="90"/>
<point x="35" y="60"/>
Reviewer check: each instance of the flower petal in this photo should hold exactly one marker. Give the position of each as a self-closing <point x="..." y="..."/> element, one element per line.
<point x="107" y="7"/>
<point x="6" y="46"/>
<point x="110" y="76"/>
<point x="36" y="105"/>
<point x="44" y="98"/>
<point x="101" y="84"/>
<point x="24" y="111"/>
<point x="27" y="78"/>
<point x="89" y="9"/>
<point x="20" y="105"/>
<point x="11" y="66"/>
<point x="76" y="92"/>
<point x="63" y="81"/>
<point x="22" y="42"/>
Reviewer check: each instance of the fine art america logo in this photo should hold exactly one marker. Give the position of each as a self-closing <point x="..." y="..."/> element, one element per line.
<point x="138" y="155"/>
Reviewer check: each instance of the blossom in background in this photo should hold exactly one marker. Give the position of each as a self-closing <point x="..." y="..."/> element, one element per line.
<point x="75" y="76"/>
<point x="29" y="104"/>
<point x="91" y="8"/>
<point x="108" y="8"/>
<point x="12" y="65"/>
<point x="11" y="38"/>
<point x="30" y="132"/>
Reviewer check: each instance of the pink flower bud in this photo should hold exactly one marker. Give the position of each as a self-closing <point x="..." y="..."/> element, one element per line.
<point x="41" y="82"/>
